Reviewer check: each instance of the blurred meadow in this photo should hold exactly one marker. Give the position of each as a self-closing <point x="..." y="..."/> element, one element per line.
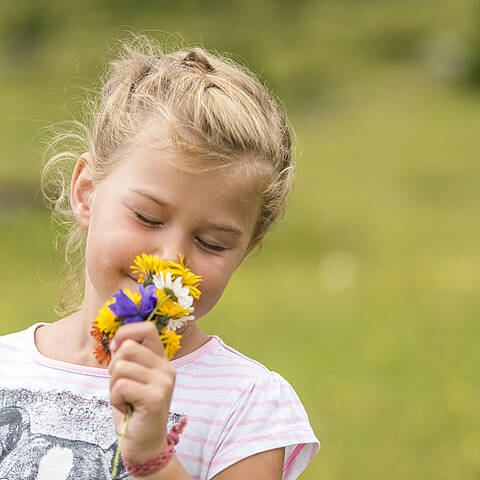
<point x="365" y="296"/>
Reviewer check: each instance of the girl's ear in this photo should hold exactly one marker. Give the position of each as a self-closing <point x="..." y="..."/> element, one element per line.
<point x="81" y="191"/>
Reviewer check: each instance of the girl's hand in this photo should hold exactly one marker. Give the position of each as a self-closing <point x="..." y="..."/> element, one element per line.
<point x="141" y="375"/>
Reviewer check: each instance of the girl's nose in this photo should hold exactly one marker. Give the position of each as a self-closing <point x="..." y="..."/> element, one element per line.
<point x="169" y="249"/>
<point x="170" y="255"/>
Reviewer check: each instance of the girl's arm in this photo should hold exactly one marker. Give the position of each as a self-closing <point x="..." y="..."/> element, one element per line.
<point x="266" y="465"/>
<point x="142" y="375"/>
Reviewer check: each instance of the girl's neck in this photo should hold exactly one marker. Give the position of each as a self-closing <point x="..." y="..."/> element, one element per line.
<point x="65" y="340"/>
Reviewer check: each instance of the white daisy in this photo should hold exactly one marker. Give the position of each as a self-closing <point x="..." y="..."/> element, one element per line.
<point x="181" y="293"/>
<point x="174" y="323"/>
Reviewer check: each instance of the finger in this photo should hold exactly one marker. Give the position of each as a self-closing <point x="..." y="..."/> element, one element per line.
<point x="120" y="393"/>
<point x="151" y="397"/>
<point x="131" y="370"/>
<point x="135" y="352"/>
<point x="145" y="333"/>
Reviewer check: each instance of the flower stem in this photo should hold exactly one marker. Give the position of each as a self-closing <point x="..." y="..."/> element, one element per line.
<point x="126" y="417"/>
<point x="158" y="306"/>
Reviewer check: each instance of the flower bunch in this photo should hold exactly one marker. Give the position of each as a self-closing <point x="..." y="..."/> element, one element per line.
<point x="165" y="296"/>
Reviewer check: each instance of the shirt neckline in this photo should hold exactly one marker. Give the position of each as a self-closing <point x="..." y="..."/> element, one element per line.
<point x="41" y="359"/>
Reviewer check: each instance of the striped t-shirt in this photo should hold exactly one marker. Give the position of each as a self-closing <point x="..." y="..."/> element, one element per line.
<point x="56" y="418"/>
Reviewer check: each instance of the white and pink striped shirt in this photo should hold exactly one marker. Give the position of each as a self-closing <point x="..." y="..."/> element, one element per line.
<point x="56" y="421"/>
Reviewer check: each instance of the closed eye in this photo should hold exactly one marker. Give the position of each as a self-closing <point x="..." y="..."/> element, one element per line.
<point x="147" y="221"/>
<point x="210" y="246"/>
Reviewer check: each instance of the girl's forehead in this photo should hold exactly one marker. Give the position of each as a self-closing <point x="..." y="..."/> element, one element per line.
<point x="152" y="160"/>
<point x="163" y="176"/>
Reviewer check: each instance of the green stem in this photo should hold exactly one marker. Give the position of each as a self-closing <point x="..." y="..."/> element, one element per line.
<point x="154" y="311"/>
<point x="126" y="417"/>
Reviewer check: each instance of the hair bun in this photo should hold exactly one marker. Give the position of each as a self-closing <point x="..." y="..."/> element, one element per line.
<point x="195" y="58"/>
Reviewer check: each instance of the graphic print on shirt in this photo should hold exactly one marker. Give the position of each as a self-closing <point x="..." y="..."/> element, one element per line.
<point x="57" y="435"/>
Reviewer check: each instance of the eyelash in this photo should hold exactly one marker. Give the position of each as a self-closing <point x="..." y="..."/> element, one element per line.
<point x="209" y="246"/>
<point x="147" y="221"/>
<point x="205" y="245"/>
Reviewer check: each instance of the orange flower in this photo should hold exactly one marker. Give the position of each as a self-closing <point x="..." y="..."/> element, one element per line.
<point x="96" y="333"/>
<point x="102" y="352"/>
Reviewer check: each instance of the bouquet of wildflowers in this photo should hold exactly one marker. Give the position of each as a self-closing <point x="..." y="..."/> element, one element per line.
<point x="165" y="296"/>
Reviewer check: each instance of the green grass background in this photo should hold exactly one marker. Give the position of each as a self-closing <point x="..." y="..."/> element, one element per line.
<point x="365" y="297"/>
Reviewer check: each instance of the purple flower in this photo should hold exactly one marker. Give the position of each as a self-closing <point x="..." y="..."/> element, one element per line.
<point x="126" y="308"/>
<point x="149" y="299"/>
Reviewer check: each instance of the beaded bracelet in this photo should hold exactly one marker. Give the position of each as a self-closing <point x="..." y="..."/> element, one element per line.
<point x="161" y="460"/>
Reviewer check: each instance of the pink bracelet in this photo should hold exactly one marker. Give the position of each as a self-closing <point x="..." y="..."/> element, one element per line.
<point x="156" y="463"/>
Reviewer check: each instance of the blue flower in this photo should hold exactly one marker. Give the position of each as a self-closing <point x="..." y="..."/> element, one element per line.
<point x="149" y="299"/>
<point x="126" y="308"/>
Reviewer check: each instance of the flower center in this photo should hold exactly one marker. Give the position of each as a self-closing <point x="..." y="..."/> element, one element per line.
<point x="169" y="291"/>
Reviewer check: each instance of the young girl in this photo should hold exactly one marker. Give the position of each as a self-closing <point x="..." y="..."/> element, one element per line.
<point x="186" y="154"/>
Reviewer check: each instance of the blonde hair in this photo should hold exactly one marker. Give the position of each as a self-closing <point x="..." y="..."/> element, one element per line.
<point x="215" y="111"/>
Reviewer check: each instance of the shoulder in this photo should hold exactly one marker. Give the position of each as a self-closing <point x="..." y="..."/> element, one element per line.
<point x="235" y="361"/>
<point x="15" y="364"/>
<point x="259" y="411"/>
<point x="16" y="341"/>
<point x="244" y="386"/>
<point x="219" y="362"/>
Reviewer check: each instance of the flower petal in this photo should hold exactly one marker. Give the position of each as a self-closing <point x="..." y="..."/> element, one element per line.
<point x="149" y="299"/>
<point x="158" y="281"/>
<point x="124" y="306"/>
<point x="134" y="319"/>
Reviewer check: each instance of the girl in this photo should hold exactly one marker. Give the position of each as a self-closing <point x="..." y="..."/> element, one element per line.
<point x="186" y="154"/>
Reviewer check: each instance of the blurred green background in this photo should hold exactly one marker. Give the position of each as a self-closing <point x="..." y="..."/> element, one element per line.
<point x="366" y="296"/>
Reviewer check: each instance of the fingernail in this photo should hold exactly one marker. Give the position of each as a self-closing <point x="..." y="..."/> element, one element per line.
<point x="113" y="345"/>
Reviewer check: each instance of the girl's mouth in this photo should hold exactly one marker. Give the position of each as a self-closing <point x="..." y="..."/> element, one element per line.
<point x="131" y="277"/>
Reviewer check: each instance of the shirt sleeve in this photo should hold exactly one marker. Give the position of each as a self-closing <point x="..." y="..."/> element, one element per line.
<point x="267" y="415"/>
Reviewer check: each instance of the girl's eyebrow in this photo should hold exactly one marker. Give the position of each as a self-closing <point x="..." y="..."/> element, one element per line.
<point x="159" y="201"/>
<point x="210" y="225"/>
<point x="224" y="228"/>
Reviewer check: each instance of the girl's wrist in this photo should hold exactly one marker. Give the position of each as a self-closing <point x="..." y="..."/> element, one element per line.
<point x="144" y="468"/>
<point x="174" y="470"/>
<point x="142" y="455"/>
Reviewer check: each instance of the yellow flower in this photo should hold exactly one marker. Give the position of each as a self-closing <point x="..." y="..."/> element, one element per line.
<point x="170" y="308"/>
<point x="161" y="295"/>
<point x="189" y="279"/>
<point x="106" y="320"/>
<point x="171" y="341"/>
<point x="147" y="264"/>
<point x="136" y="297"/>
